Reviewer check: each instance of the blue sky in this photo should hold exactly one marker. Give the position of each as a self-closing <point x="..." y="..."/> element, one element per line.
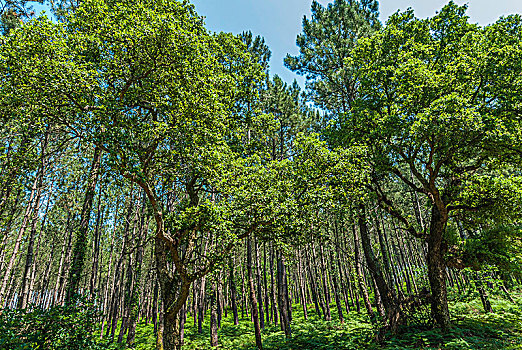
<point x="279" y="21"/>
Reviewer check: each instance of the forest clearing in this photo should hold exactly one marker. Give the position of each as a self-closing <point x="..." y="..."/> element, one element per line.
<point x="161" y="188"/>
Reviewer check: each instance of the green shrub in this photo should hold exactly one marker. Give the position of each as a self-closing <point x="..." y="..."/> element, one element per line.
<point x="60" y="327"/>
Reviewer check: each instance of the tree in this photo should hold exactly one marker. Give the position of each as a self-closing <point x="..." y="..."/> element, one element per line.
<point x="325" y="46"/>
<point x="429" y="103"/>
<point x="147" y="85"/>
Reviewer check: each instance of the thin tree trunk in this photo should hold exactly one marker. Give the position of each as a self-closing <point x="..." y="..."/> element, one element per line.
<point x="16" y="249"/>
<point x="360" y="280"/>
<point x="253" y="302"/>
<point x="80" y="247"/>
<point x="233" y="292"/>
<point x="383" y="290"/>
<point x="283" y="301"/>
<point x="259" y="287"/>
<point x="213" y="316"/>
<point x="29" y="260"/>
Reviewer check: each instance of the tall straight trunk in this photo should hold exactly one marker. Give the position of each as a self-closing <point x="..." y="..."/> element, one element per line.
<point x="47" y="273"/>
<point x="301" y="281"/>
<point x="410" y="281"/>
<point x="213" y="316"/>
<point x="80" y="247"/>
<point x="119" y="274"/>
<point x="325" y="286"/>
<point x="399" y="249"/>
<point x="386" y="294"/>
<point x="7" y="280"/>
<point x="7" y="229"/>
<point x="265" y="280"/>
<point x="336" y="289"/>
<point x="14" y="164"/>
<point x="29" y="260"/>
<point x="259" y="287"/>
<point x="134" y="299"/>
<point x="252" y="295"/>
<point x="283" y="301"/>
<point x="360" y="278"/>
<point x="273" y="293"/>
<point x="106" y="303"/>
<point x="60" y="277"/>
<point x="131" y="280"/>
<point x="384" y="251"/>
<point x="437" y="268"/>
<point x="219" y="308"/>
<point x="96" y="248"/>
<point x="313" y="284"/>
<point x="388" y="240"/>
<point x="343" y="287"/>
<point x="320" y="297"/>
<point x="201" y="305"/>
<point x="233" y="292"/>
<point x="155" y="306"/>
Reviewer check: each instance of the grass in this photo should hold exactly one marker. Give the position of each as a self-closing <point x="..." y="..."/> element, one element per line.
<point x="472" y="329"/>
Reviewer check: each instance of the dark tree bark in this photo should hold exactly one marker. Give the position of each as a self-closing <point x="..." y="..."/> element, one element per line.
<point x="134" y="295"/>
<point x="336" y="290"/>
<point x="326" y="289"/>
<point x="233" y="292"/>
<point x="283" y="301"/>
<point x="253" y="301"/>
<point x="313" y="285"/>
<point x="259" y="287"/>
<point x="96" y="248"/>
<point x="80" y="247"/>
<point x="213" y="316"/>
<point x="360" y="278"/>
<point x="387" y="294"/>
<point x="437" y="268"/>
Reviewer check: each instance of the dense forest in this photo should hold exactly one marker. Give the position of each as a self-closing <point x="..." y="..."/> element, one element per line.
<point x="160" y="189"/>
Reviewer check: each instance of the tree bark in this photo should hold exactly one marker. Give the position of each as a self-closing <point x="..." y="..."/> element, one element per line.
<point x="253" y="301"/>
<point x="360" y="280"/>
<point x="387" y="294"/>
<point x="233" y="293"/>
<point x="436" y="269"/>
<point x="213" y="316"/>
<point x="80" y="247"/>
<point x="283" y="301"/>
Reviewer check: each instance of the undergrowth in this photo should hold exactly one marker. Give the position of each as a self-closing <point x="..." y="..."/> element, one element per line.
<point x="472" y="329"/>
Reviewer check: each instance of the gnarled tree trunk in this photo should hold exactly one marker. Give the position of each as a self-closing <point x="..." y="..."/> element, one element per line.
<point x="436" y="269"/>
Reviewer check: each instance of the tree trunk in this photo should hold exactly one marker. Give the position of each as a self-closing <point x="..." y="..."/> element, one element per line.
<point x="336" y="290"/>
<point x="360" y="280"/>
<point x="135" y="300"/>
<point x="80" y="247"/>
<point x="328" y="316"/>
<point x="96" y="249"/>
<point x="253" y="302"/>
<point x="29" y="261"/>
<point x="233" y="292"/>
<point x="259" y="287"/>
<point x="213" y="316"/>
<point x="436" y="270"/>
<point x="386" y="294"/>
<point x="483" y="295"/>
<point x="7" y="280"/>
<point x="283" y="301"/>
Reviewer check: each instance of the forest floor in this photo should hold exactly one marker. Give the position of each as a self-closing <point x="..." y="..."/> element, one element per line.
<point x="472" y="329"/>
